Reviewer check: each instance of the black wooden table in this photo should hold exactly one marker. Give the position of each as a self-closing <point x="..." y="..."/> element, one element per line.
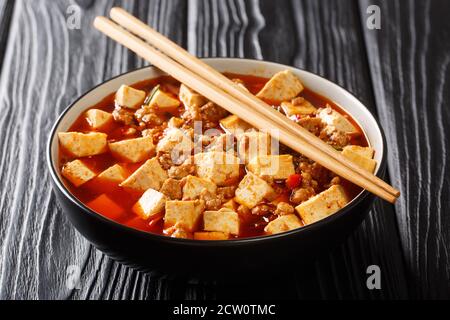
<point x="401" y="72"/>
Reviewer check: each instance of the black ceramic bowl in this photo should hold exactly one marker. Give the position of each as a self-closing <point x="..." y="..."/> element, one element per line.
<point x="146" y="251"/>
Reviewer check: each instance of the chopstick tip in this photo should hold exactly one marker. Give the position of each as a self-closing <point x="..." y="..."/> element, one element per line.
<point x="100" y="21"/>
<point x="391" y="198"/>
<point x="116" y="10"/>
<point x="97" y="20"/>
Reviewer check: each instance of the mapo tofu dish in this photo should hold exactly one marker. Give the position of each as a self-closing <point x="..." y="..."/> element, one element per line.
<point x="159" y="157"/>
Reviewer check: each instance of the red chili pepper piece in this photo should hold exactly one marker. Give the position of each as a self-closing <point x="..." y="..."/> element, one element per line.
<point x="293" y="181"/>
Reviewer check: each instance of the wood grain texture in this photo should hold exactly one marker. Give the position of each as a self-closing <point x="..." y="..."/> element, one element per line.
<point x="303" y="33"/>
<point x="6" y="9"/>
<point x="331" y="46"/>
<point x="47" y="66"/>
<point x="409" y="60"/>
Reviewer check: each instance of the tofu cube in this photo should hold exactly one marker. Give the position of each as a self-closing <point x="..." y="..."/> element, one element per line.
<point x="366" y="152"/>
<point x="175" y="122"/>
<point x="114" y="174"/>
<point x="252" y="190"/>
<point x="322" y="205"/>
<point x="98" y="118"/>
<point x="194" y="186"/>
<point x="276" y="166"/>
<point x="181" y="234"/>
<point x="252" y="144"/>
<point x="176" y="140"/>
<point x="149" y="175"/>
<point x="77" y="172"/>
<point x="183" y="214"/>
<point x="129" y="97"/>
<point x="305" y="108"/>
<point x="190" y="98"/>
<point x="163" y="101"/>
<point x="335" y="120"/>
<point x="233" y="124"/>
<point x="218" y="167"/>
<point x="223" y="142"/>
<point x="284" y="85"/>
<point x="213" y="235"/>
<point x="225" y="221"/>
<point x="356" y="157"/>
<point x="107" y="207"/>
<point x="149" y="204"/>
<point x="283" y="223"/>
<point x="133" y="150"/>
<point x="230" y="205"/>
<point x="83" y="144"/>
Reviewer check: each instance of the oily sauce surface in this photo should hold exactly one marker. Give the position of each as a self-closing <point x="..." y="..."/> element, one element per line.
<point x="86" y="193"/>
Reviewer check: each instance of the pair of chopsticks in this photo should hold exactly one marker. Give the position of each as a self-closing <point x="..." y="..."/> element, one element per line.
<point x="177" y="62"/>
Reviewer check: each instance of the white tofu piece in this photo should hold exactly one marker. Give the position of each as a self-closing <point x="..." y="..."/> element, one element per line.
<point x="183" y="214"/>
<point x="149" y="204"/>
<point x="225" y="221"/>
<point x="194" y="186"/>
<point x="230" y="205"/>
<point x="252" y="190"/>
<point x="213" y="235"/>
<point x="114" y="174"/>
<point x="163" y="101"/>
<point x="359" y="159"/>
<point x="284" y="85"/>
<point x="175" y="140"/>
<point x="366" y="152"/>
<point x="98" y="118"/>
<point x="219" y="167"/>
<point x="276" y="166"/>
<point x="83" y="144"/>
<point x="335" y="120"/>
<point x="149" y="175"/>
<point x="223" y="142"/>
<point x="190" y="98"/>
<point x="323" y="204"/>
<point x="181" y="234"/>
<point x="133" y="150"/>
<point x="283" y="223"/>
<point x="175" y="122"/>
<point x="233" y="124"/>
<point x="252" y="144"/>
<point x="77" y="172"/>
<point x="305" y="108"/>
<point x="129" y="97"/>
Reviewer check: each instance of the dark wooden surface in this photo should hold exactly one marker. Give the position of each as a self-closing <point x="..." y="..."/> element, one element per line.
<point x="410" y="70"/>
<point x="401" y="72"/>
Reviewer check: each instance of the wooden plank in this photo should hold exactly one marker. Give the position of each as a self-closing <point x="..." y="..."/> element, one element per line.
<point x="310" y="35"/>
<point x="6" y="12"/>
<point x="46" y="67"/>
<point x="409" y="59"/>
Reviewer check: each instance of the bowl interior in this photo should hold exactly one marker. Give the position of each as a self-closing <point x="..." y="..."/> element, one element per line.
<point x="242" y="66"/>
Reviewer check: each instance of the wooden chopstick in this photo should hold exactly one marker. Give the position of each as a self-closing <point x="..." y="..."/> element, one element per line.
<point x="179" y="54"/>
<point x="228" y="102"/>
